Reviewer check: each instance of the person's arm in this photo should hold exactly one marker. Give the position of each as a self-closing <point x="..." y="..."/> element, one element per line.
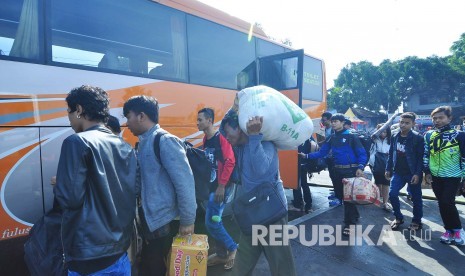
<point x="225" y="169"/>
<point x="419" y="153"/>
<point x="261" y="158"/>
<point x="385" y="126"/>
<point x="360" y="153"/>
<point x="229" y="161"/>
<point x="461" y="140"/>
<point x="426" y="156"/>
<point x="175" y="162"/>
<point x="389" y="162"/>
<point x="72" y="170"/>
<point x="324" y="151"/>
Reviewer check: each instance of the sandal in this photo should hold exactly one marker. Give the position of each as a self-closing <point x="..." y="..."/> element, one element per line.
<point x="230" y="261"/>
<point x="395" y="224"/>
<point x="414" y="226"/>
<point x="214" y="259"/>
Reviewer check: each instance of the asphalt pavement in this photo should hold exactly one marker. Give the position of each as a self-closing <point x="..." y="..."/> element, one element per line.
<point x="374" y="249"/>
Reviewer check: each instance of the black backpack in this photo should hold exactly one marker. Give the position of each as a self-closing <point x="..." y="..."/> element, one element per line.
<point x="313" y="165"/>
<point x="199" y="163"/>
<point x="43" y="251"/>
<point x="366" y="141"/>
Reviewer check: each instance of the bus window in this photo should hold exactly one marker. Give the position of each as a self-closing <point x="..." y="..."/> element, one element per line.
<point x="312" y="83"/>
<point x="265" y="48"/>
<point x="217" y="53"/>
<point x="280" y="74"/>
<point x="19" y="29"/>
<point x="111" y="35"/>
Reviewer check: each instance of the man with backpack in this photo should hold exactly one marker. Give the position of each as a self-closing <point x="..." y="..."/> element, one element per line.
<point x="349" y="158"/>
<point x="166" y="186"/>
<point x="220" y="153"/>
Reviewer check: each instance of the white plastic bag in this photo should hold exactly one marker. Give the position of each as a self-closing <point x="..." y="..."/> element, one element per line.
<point x="360" y="190"/>
<point x="284" y="123"/>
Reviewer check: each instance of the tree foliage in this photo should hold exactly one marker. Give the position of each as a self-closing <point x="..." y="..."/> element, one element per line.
<point x="385" y="86"/>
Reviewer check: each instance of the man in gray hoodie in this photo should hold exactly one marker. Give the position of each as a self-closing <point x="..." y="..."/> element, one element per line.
<point x="166" y="187"/>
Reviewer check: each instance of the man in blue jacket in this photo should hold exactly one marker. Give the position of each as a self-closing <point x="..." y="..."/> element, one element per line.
<point x="167" y="188"/>
<point x="404" y="165"/>
<point x="257" y="162"/>
<point x="349" y="161"/>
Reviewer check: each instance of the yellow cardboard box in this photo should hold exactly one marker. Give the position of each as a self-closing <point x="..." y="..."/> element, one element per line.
<point x="189" y="256"/>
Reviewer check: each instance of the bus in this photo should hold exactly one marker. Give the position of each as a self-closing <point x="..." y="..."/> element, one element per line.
<point x="182" y="52"/>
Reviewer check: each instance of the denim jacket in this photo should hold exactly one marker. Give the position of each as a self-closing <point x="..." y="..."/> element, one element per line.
<point x="414" y="149"/>
<point x="166" y="191"/>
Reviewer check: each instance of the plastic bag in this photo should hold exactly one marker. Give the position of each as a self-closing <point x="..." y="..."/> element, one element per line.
<point x="360" y="190"/>
<point x="284" y="123"/>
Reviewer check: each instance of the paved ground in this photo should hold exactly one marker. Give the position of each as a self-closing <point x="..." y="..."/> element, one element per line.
<point x="417" y="253"/>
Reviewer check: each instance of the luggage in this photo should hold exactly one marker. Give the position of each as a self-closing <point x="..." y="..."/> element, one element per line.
<point x="189" y="255"/>
<point x="284" y="123"/>
<point x="360" y="190"/>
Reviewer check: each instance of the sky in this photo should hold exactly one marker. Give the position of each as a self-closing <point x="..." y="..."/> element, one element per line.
<point x="344" y="31"/>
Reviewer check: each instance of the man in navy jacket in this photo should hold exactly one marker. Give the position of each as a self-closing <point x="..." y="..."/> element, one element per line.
<point x="349" y="161"/>
<point x="405" y="165"/>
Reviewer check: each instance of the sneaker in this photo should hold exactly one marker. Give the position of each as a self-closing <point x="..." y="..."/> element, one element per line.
<point x="335" y="202"/>
<point x="331" y="197"/>
<point x="458" y="237"/>
<point x="446" y="237"/>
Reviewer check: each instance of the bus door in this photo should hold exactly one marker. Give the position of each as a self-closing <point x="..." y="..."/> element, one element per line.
<point x="283" y="72"/>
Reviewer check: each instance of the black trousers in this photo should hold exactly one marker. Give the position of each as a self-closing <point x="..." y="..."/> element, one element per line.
<point x="305" y="188"/>
<point x="445" y="189"/>
<point x="351" y="214"/>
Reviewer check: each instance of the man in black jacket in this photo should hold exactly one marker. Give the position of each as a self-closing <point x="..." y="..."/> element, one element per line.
<point x="95" y="189"/>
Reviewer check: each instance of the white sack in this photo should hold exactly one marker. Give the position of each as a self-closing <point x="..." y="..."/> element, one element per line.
<point x="284" y="122"/>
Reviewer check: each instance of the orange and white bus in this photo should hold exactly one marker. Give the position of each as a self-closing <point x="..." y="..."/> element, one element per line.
<point x="182" y="52"/>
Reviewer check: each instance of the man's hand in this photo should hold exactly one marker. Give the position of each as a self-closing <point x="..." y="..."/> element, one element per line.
<point x="219" y="194"/>
<point x="185" y="230"/>
<point x="415" y="179"/>
<point x="359" y="173"/>
<point x="254" y="125"/>
<point x="387" y="175"/>
<point x="303" y="155"/>
<point x="428" y="178"/>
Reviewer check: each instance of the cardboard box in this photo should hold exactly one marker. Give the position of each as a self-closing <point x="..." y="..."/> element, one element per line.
<point x="189" y="256"/>
<point x="360" y="190"/>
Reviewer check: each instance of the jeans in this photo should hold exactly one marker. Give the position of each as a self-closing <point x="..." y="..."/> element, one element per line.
<point x="223" y="240"/>
<point x="397" y="183"/>
<point x="122" y="267"/>
<point x="444" y="189"/>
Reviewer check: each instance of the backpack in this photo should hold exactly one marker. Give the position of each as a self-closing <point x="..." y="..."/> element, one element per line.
<point x="366" y="142"/>
<point x="199" y="163"/>
<point x="313" y="165"/>
<point x="43" y="250"/>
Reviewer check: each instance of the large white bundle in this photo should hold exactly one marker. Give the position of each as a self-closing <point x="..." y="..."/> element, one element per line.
<point x="284" y="123"/>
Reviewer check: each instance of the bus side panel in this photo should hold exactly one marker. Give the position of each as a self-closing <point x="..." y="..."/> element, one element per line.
<point x="52" y="139"/>
<point x="288" y="163"/>
<point x="21" y="194"/>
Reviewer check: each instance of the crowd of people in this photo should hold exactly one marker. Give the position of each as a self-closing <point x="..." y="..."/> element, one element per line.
<point x="399" y="156"/>
<point x="102" y="182"/>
